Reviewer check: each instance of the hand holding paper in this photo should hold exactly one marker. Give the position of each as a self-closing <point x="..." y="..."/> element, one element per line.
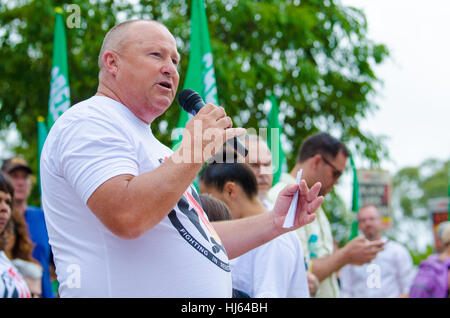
<point x="289" y="221"/>
<point x="295" y="206"/>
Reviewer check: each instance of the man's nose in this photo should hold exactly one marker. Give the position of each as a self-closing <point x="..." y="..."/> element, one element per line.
<point x="169" y="68"/>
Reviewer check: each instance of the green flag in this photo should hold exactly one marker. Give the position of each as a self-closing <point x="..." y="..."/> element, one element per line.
<point x="59" y="100"/>
<point x="200" y="75"/>
<point x="355" y="199"/>
<point x="274" y="141"/>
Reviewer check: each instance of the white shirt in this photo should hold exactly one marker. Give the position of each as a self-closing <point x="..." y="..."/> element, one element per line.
<point x="182" y="256"/>
<point x="316" y="239"/>
<point x="273" y="270"/>
<point x="390" y="274"/>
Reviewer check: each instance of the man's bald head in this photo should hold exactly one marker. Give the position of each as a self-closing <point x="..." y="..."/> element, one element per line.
<point x="117" y="37"/>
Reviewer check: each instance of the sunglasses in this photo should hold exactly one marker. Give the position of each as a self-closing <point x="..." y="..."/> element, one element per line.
<point x="336" y="172"/>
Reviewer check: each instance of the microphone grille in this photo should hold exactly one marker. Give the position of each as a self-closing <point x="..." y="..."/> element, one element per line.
<point x="188" y="98"/>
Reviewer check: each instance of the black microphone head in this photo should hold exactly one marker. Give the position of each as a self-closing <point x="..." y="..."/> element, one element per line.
<point x="190" y="100"/>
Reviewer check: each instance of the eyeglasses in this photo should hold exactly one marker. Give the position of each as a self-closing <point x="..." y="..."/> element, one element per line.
<point x="336" y="172"/>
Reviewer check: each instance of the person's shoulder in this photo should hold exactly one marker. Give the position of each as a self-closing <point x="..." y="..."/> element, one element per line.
<point x="75" y="116"/>
<point x="34" y="209"/>
<point x="282" y="243"/>
<point x="95" y="107"/>
<point x="394" y="245"/>
<point x="33" y="213"/>
<point x="273" y="192"/>
<point x="396" y="248"/>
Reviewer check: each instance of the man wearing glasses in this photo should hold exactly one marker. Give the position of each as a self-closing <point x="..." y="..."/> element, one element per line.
<point x="323" y="158"/>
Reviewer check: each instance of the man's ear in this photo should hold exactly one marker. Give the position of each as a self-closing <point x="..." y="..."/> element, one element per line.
<point x="230" y="190"/>
<point x="110" y="62"/>
<point x="315" y="161"/>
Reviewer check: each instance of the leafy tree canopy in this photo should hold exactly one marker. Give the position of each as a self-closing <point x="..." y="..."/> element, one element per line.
<point x="315" y="56"/>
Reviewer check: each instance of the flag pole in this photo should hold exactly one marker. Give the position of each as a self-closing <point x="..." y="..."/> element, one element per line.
<point x="278" y="157"/>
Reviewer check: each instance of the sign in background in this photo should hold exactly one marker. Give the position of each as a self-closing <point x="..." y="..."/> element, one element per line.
<point x="438" y="208"/>
<point x="375" y="189"/>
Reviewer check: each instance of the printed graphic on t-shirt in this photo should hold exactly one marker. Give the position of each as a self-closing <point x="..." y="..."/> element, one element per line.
<point x="12" y="286"/>
<point x="190" y="206"/>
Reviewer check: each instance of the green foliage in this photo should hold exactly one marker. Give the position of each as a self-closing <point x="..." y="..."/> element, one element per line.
<point x="340" y="217"/>
<point x="412" y="188"/>
<point x="418" y="257"/>
<point x="313" y="55"/>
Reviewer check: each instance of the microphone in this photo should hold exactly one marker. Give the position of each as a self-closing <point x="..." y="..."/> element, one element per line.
<point x="191" y="102"/>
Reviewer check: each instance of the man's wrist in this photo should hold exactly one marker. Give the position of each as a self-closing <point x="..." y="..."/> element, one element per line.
<point x="341" y="257"/>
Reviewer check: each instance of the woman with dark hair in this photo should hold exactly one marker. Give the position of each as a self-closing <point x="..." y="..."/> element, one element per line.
<point x="275" y="269"/>
<point x="215" y="209"/>
<point x="12" y="285"/>
<point x="19" y="249"/>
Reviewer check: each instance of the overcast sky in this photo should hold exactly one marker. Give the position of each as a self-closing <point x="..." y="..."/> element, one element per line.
<point x="415" y="101"/>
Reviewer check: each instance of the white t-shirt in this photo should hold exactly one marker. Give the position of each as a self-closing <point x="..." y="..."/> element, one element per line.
<point x="316" y="239"/>
<point x="273" y="270"/>
<point x="390" y="274"/>
<point x="182" y="256"/>
<point x="12" y="284"/>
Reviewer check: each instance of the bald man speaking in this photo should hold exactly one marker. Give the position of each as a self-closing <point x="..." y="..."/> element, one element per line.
<point x="123" y="217"/>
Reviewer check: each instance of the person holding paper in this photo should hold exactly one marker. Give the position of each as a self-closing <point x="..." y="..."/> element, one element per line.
<point x="323" y="159"/>
<point x="117" y="201"/>
<point x="274" y="269"/>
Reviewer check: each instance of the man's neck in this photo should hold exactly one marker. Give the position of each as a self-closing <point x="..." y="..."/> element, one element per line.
<point x="295" y="170"/>
<point x="375" y="237"/>
<point x="251" y="207"/>
<point x="104" y="90"/>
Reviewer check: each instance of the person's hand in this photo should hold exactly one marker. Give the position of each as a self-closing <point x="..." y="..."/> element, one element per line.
<point x="360" y="250"/>
<point x="313" y="283"/>
<point x="206" y="133"/>
<point x="308" y="202"/>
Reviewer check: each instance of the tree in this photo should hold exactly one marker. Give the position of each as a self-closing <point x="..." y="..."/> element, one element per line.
<point x="314" y="56"/>
<point x="412" y="188"/>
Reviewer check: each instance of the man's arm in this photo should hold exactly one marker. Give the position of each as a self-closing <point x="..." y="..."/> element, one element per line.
<point x="131" y="205"/>
<point x="242" y="235"/>
<point x="358" y="251"/>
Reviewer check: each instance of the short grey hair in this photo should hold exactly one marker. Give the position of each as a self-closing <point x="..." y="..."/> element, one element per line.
<point x="116" y="37"/>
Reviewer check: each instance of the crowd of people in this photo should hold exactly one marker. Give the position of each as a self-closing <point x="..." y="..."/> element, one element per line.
<point x="123" y="218"/>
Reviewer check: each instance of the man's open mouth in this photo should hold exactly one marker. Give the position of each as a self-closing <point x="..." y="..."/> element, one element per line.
<point x="166" y="84"/>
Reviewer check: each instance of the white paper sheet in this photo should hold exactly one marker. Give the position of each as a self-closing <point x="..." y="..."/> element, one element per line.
<point x="290" y="217"/>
